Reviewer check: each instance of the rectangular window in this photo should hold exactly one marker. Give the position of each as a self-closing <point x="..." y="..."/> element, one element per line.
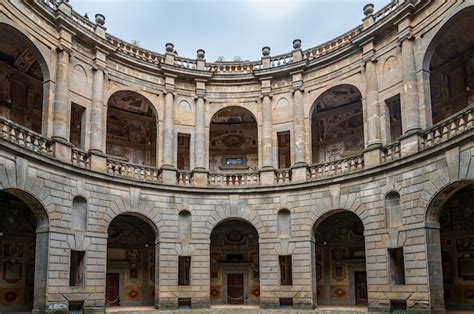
<point x="286" y="271"/>
<point x="184" y="303"/>
<point x="184" y="268"/>
<point x="284" y="151"/>
<point x="398" y="306"/>
<point x="76" y="269"/>
<point x="184" y="141"/>
<point x="397" y="266"/>
<point x="77" y="117"/>
<point x="393" y="118"/>
<point x="286" y="302"/>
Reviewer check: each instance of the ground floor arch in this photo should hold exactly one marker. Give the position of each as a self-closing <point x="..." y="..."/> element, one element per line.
<point x="132" y="276"/>
<point x="234" y="263"/>
<point x="339" y="260"/>
<point x="23" y="252"/>
<point x="450" y="219"/>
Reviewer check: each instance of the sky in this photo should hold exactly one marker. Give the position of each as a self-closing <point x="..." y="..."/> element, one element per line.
<point x="227" y="28"/>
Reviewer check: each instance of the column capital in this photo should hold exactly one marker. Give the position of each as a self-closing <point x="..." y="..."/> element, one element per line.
<point x="268" y="94"/>
<point x="63" y="48"/>
<point x="200" y="93"/>
<point x="406" y="34"/>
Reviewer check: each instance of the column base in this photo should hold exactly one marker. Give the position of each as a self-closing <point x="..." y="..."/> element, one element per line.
<point x="372" y="157"/>
<point x="62" y="150"/>
<point x="409" y="144"/>
<point x="299" y="172"/>
<point x="200" y="177"/>
<point x="267" y="176"/>
<point x="98" y="161"/>
<point x="168" y="175"/>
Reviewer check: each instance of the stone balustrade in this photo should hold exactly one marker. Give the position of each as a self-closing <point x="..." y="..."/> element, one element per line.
<point x="332" y="45"/>
<point x="128" y="170"/>
<point x="184" y="178"/>
<point x="390" y="152"/>
<point x="447" y="129"/>
<point x="134" y="51"/>
<point x="283" y="176"/>
<point x="84" y="22"/>
<point x="386" y="10"/>
<point x="80" y="158"/>
<point x="441" y="132"/>
<point x="337" y="167"/>
<point x="234" y="179"/>
<point x="25" y="137"/>
<point x="185" y="63"/>
<point x="281" y="60"/>
<point x="233" y="67"/>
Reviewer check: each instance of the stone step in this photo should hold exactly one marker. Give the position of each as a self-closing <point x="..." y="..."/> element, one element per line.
<point x="239" y="310"/>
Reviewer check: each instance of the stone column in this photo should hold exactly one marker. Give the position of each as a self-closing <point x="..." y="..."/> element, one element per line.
<point x="98" y="128"/>
<point x="267" y="173"/>
<point x="200" y="171"/>
<point x="410" y="104"/>
<point x="168" y="168"/>
<point x="299" y="166"/>
<point x="62" y="108"/>
<point x="374" y="137"/>
<point x="372" y="109"/>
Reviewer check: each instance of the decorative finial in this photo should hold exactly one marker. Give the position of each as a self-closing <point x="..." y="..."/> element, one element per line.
<point x="266" y="51"/>
<point x="169" y="47"/>
<point x="201" y="54"/>
<point x="100" y="19"/>
<point x="297" y="44"/>
<point x="368" y="9"/>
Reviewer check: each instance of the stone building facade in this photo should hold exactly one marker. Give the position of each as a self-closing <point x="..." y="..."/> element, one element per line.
<point x="341" y="174"/>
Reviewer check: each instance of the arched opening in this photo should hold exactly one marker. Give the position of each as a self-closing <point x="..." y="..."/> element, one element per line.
<point x="23" y="252"/>
<point x="341" y="277"/>
<point x="234" y="266"/>
<point x="131" y="128"/>
<point x="337" y="124"/>
<point x="284" y="223"/>
<point x="233" y="140"/>
<point x="22" y="73"/>
<point x="456" y="220"/>
<point x="393" y="211"/>
<point x="451" y="66"/>
<point x="131" y="262"/>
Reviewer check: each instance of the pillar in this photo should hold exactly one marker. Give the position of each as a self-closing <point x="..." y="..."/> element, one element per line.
<point x="411" y="114"/>
<point x="200" y="171"/>
<point x="410" y="104"/>
<point x="373" y="107"/>
<point x="299" y="170"/>
<point x="97" y="125"/>
<point x="41" y="270"/>
<point x="97" y="111"/>
<point x="62" y="108"/>
<point x="61" y="103"/>
<point x="267" y="173"/>
<point x="168" y="168"/>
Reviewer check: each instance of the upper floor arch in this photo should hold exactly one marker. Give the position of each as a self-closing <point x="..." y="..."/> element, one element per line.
<point x="448" y="61"/>
<point x="23" y="76"/>
<point x="337" y="124"/>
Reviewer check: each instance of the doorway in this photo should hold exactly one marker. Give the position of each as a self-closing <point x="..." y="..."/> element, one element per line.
<point x="235" y="288"/>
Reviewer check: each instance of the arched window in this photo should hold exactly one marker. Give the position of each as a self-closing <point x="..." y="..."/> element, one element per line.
<point x="337" y="124"/>
<point x="184" y="225"/>
<point x="79" y="214"/>
<point x="22" y="73"/>
<point x="393" y="212"/>
<point x="233" y="140"/>
<point x="131" y="128"/>
<point x="284" y="223"/>
<point x="451" y="66"/>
